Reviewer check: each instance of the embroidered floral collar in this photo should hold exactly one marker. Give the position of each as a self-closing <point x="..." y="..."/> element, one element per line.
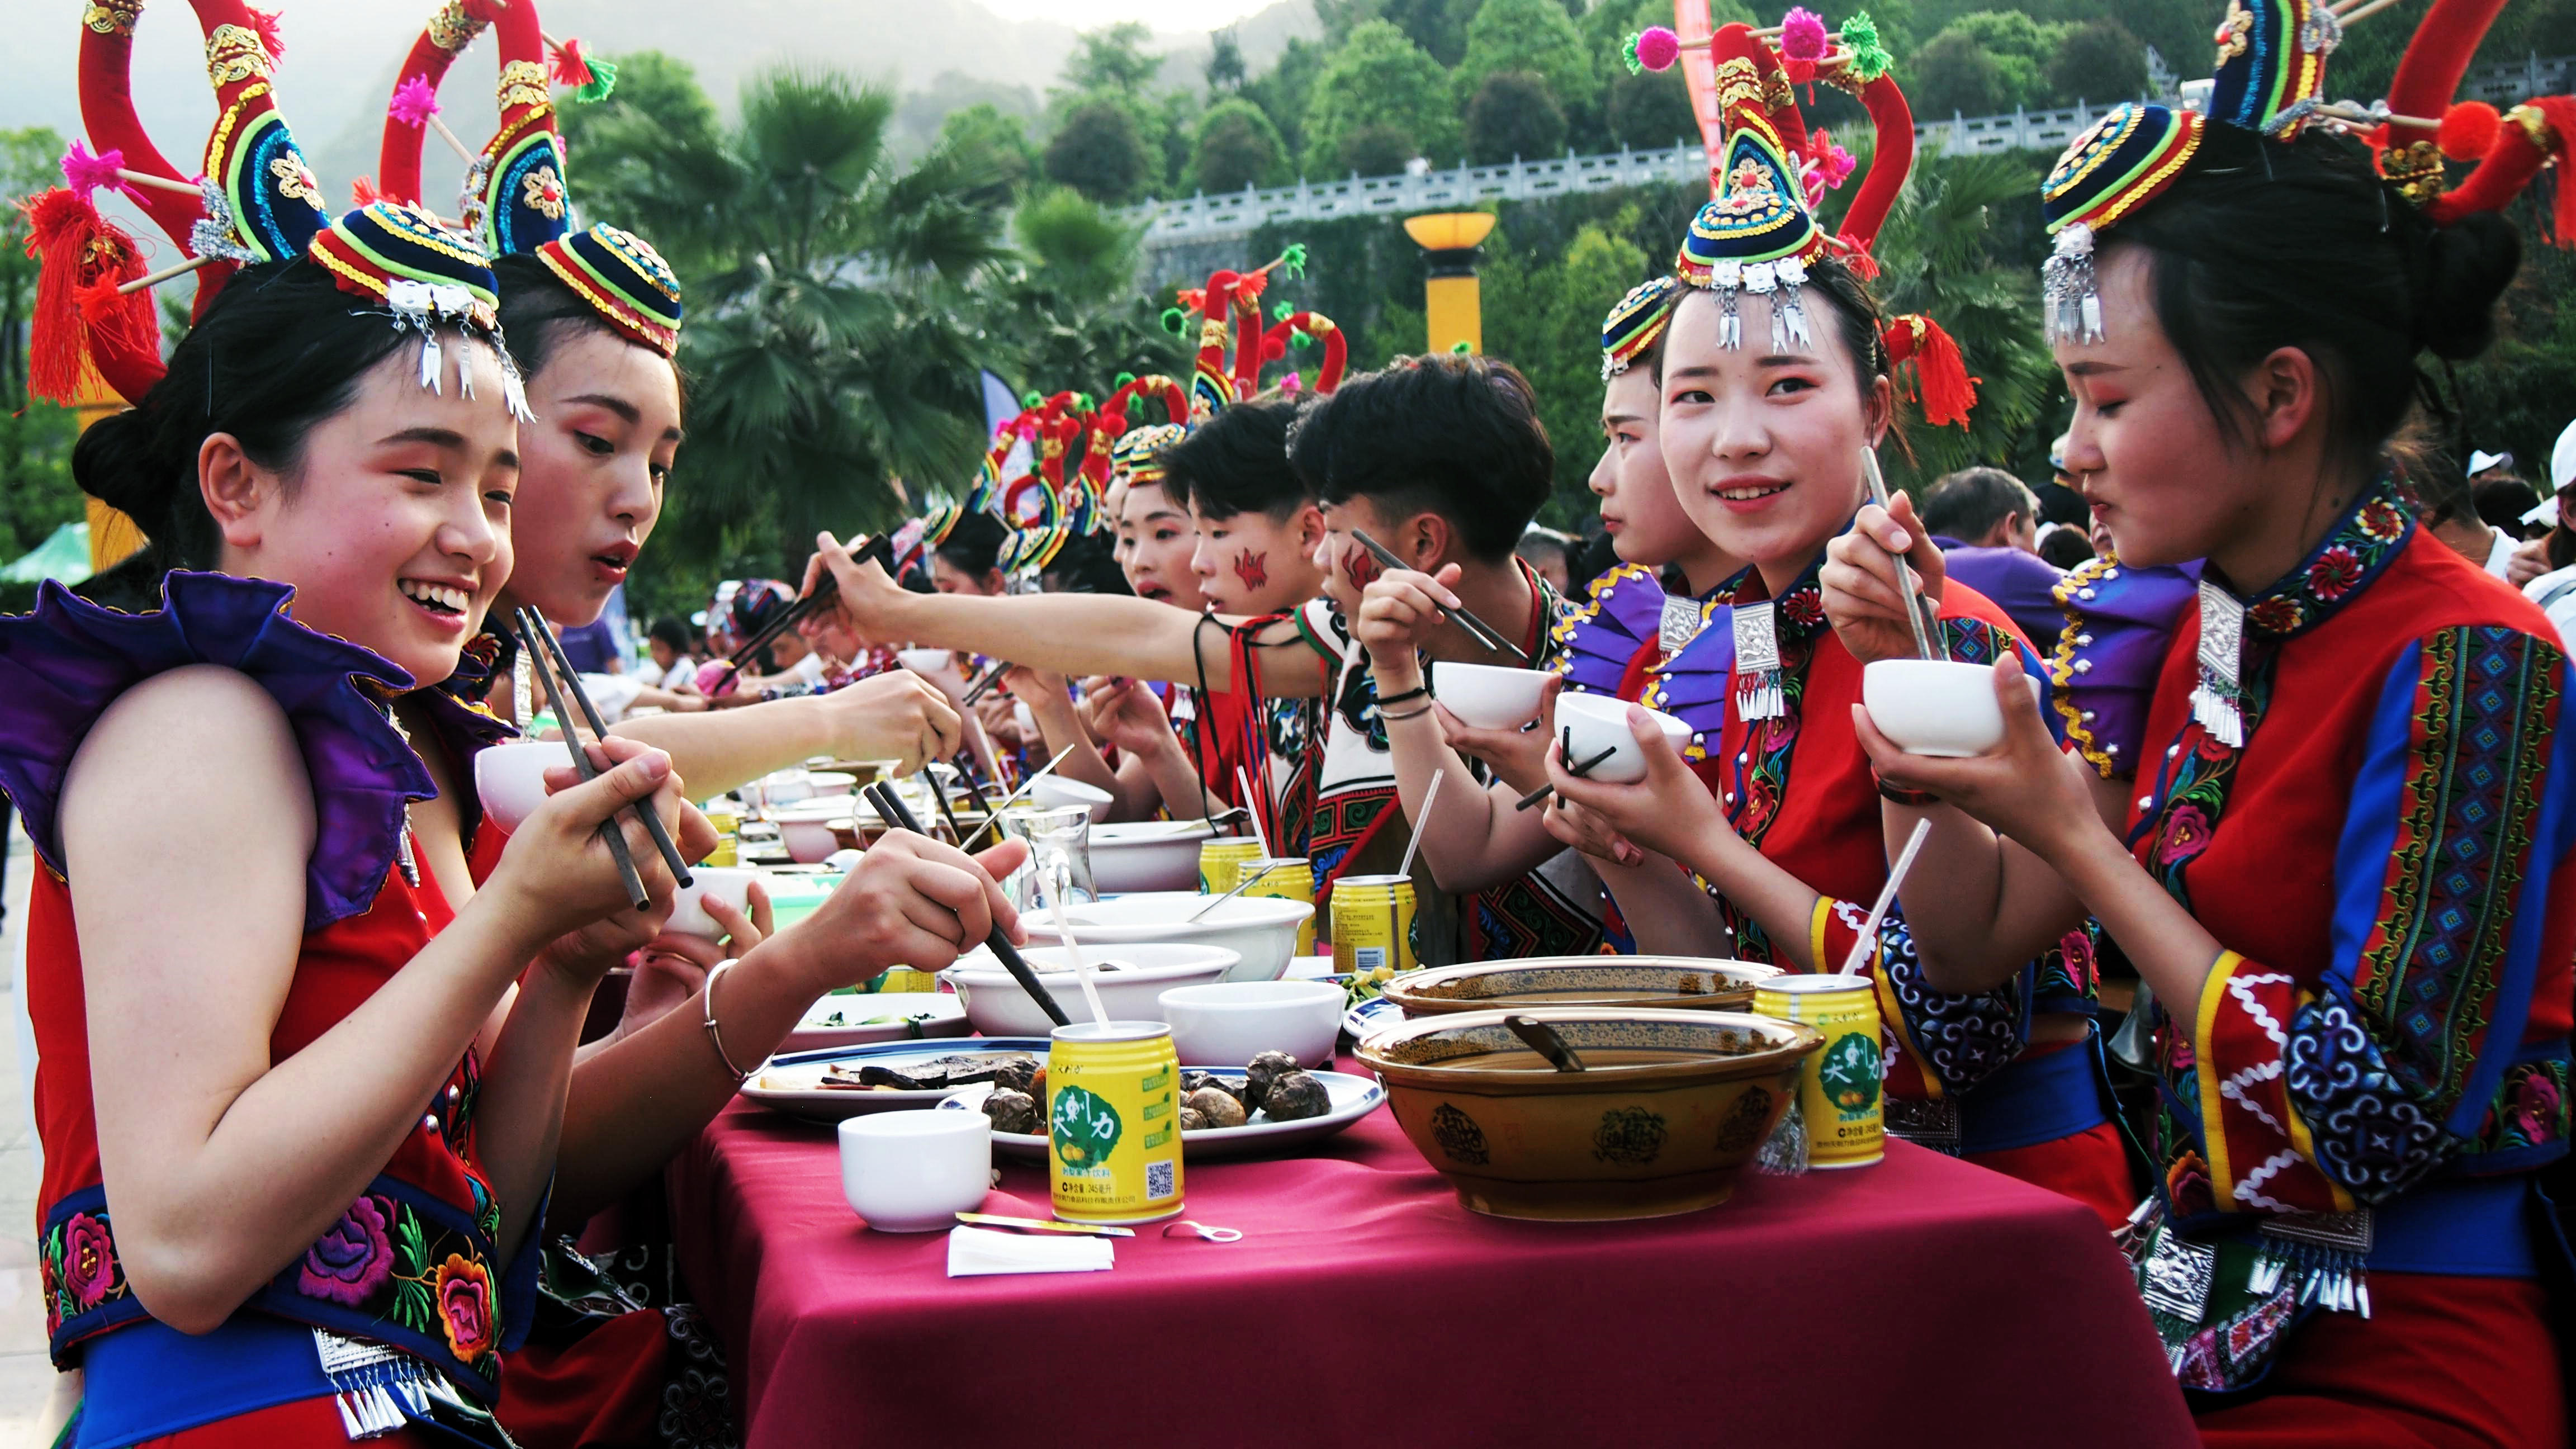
<point x="2354" y="553"/>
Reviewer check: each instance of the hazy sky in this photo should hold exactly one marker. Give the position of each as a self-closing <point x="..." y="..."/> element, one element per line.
<point x="1084" y="14"/>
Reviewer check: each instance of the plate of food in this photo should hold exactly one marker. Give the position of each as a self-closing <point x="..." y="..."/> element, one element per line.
<point x="859" y="1019"/>
<point x="1371" y="1015"/>
<point x="1225" y="1112"/>
<point x="841" y="1082"/>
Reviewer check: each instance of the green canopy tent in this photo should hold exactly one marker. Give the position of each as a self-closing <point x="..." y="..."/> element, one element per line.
<point x="64" y="556"/>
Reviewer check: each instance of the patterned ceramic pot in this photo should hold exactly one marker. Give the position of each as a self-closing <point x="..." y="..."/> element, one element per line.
<point x="1663" y="983"/>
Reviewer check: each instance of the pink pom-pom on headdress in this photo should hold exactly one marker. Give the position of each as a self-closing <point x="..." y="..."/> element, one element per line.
<point x="271" y="38"/>
<point x="1292" y="384"/>
<point x="1829" y="168"/>
<point x="415" y="101"/>
<point x="1658" y="48"/>
<point x="1802" y="35"/>
<point x="85" y="173"/>
<point x="572" y="68"/>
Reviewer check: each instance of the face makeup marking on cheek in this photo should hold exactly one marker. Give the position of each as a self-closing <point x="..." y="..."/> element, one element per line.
<point x="1252" y="568"/>
<point x="1360" y="566"/>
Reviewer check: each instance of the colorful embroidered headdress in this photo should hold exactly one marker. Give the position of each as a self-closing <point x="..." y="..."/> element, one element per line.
<point x="517" y="196"/>
<point x="253" y="201"/>
<point x="1636" y="323"/>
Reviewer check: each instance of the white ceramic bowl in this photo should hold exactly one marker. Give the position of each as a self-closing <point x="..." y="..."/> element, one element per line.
<point x="1263" y="929"/>
<point x="1230" y="1023"/>
<point x="1489" y="696"/>
<point x="923" y="661"/>
<point x="728" y="883"/>
<point x="1055" y="790"/>
<point x="1149" y="855"/>
<point x="1599" y="722"/>
<point x="998" y="1007"/>
<point x="914" y="1172"/>
<point x="806" y="828"/>
<point x="785" y="787"/>
<point x="510" y="779"/>
<point x="1934" y="706"/>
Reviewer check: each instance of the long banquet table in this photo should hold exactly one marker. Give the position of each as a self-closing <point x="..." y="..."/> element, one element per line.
<point x="1918" y="1302"/>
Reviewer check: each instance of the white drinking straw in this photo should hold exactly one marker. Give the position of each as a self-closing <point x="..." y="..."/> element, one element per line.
<point x="1243" y="782"/>
<point x="1886" y="896"/>
<point x="1424" y="819"/>
<point x="1057" y="889"/>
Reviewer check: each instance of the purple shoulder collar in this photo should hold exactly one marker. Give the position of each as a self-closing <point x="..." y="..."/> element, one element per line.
<point x="63" y="665"/>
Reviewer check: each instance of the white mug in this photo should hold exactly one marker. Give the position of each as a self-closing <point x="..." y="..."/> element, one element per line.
<point x="914" y="1172"/>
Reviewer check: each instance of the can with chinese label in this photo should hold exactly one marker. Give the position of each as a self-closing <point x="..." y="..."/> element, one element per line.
<point x="1114" y="1122"/>
<point x="1291" y="878"/>
<point x="1221" y="859"/>
<point x="1373" y="926"/>
<point x="728" y="847"/>
<point x="1838" y="1089"/>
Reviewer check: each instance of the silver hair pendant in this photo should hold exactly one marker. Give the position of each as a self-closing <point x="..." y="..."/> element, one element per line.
<point x="2217" y="701"/>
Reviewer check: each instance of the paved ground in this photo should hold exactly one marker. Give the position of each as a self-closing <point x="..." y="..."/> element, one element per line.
<point x="26" y="1379"/>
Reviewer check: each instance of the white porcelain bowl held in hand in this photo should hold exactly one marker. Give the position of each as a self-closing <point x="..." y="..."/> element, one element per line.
<point x="1056" y="790"/>
<point x="727" y="883"/>
<point x="1597" y="722"/>
<point x="997" y="1005"/>
<point x="914" y="1172"/>
<point x="1262" y="928"/>
<point x="923" y="661"/>
<point x="1934" y="706"/>
<point x="1149" y="855"/>
<point x="1230" y="1023"/>
<point x="510" y="779"/>
<point x="1488" y="696"/>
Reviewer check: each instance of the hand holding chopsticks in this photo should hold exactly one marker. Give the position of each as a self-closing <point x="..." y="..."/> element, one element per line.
<point x="1482" y="632"/>
<point x="890" y="806"/>
<point x="1922" y="615"/>
<point x="545" y="660"/>
<point x="826" y="589"/>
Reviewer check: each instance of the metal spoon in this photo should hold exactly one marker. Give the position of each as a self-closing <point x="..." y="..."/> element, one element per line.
<point x="1543" y="1039"/>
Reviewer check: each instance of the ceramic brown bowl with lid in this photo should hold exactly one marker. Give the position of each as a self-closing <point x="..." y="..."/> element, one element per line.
<point x="1659" y="983"/>
<point x="1670" y="1108"/>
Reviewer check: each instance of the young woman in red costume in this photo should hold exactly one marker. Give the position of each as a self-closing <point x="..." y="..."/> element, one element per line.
<point x="1775" y="382"/>
<point x="2345" y="871"/>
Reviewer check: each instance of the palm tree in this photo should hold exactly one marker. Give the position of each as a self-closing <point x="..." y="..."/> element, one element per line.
<point x="1066" y="313"/>
<point x="825" y="350"/>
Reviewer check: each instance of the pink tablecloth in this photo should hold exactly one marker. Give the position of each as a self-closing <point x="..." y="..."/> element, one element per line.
<point x="1915" y="1303"/>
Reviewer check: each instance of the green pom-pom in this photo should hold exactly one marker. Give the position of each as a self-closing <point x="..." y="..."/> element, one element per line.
<point x="1292" y="261"/>
<point x="1859" y="35"/>
<point x="1121" y="381"/>
<point x="603" y="82"/>
<point x="1176" y="321"/>
<point x="1282" y="311"/>
<point x="1032" y="399"/>
<point x="1300" y="339"/>
<point x="1628" y="53"/>
<point x="1461" y="348"/>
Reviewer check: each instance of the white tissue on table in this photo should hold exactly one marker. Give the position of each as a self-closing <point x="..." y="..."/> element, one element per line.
<point x="973" y="1251"/>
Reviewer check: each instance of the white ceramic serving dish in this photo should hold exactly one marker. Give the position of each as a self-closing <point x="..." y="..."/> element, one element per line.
<point x="1488" y="696"/>
<point x="1055" y="790"/>
<point x="1148" y="855"/>
<point x="1263" y="929"/>
<point x="791" y="1082"/>
<point x="1597" y="722"/>
<point x="1231" y="1022"/>
<point x="998" y="1007"/>
<point x="1352" y="1098"/>
<point x="861" y="1018"/>
<point x="1934" y="707"/>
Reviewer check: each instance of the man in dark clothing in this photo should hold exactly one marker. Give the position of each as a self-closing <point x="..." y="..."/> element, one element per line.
<point x="1986" y="525"/>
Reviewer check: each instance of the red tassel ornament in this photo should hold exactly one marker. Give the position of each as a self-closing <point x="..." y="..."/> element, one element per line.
<point x="1941" y="374"/>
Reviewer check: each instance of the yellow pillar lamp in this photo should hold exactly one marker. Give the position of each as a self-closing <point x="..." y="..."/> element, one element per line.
<point x="1451" y="303"/>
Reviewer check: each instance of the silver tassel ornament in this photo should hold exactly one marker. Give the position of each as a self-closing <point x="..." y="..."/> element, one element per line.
<point x="1758" y="690"/>
<point x="2217" y="700"/>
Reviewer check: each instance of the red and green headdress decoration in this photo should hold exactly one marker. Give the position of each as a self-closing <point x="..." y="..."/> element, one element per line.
<point x="1232" y="343"/>
<point x="1637" y="323"/>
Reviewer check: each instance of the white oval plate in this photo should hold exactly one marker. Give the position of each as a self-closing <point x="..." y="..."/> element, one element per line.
<point x="864" y="1019"/>
<point x="791" y="1082"/>
<point x="1370" y="1015"/>
<point x="1352" y="1098"/>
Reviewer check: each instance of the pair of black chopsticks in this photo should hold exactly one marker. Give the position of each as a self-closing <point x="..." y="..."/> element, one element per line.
<point x="1578" y="771"/>
<point x="1483" y="632"/>
<point x="826" y="589"/>
<point x="546" y="663"/>
<point x="990" y="678"/>
<point x="891" y="807"/>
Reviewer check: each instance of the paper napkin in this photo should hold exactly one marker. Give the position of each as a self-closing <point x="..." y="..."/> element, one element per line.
<point x="973" y="1251"/>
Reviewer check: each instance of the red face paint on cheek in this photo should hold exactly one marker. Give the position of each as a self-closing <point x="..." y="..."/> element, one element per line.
<point x="1253" y="569"/>
<point x="1360" y="566"/>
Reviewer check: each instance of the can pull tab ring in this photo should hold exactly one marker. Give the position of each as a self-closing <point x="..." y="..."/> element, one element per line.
<point x="1187" y="1229"/>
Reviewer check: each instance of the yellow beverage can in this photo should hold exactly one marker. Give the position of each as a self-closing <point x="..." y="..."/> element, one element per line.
<point x="1221" y="860"/>
<point x="1113" y="1122"/>
<point x="727" y="851"/>
<point x="1373" y="926"/>
<point x="1290" y="878"/>
<point x="1839" y="1088"/>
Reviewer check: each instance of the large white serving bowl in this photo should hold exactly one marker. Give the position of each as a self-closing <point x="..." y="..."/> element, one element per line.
<point x="1262" y="929"/>
<point x="1148" y="855"/>
<point x="998" y="1007"/>
<point x="1231" y="1022"/>
<point x="1488" y="696"/>
<point x="1597" y="722"/>
<point x="1055" y="790"/>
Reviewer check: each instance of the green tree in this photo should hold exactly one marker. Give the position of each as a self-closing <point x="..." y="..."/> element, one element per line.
<point x="1237" y="147"/>
<point x="1066" y="312"/>
<point x="1001" y="141"/>
<point x="1114" y="59"/>
<point x="1544" y="317"/>
<point x="613" y="145"/>
<point x="1225" y="68"/>
<point x="1953" y="76"/>
<point x="1100" y="152"/>
<point x="2019" y="46"/>
<point x="1284" y="91"/>
<point x="1438" y="26"/>
<point x="36" y="490"/>
<point x="827" y="349"/>
<point x="1533" y="36"/>
<point x="1513" y="116"/>
<point x="2098" y="63"/>
<point x="1379" y="79"/>
<point x="1651" y="111"/>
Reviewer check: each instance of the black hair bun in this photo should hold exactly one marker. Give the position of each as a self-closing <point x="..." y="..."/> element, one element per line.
<point x="2467" y="266"/>
<point x="118" y="462"/>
